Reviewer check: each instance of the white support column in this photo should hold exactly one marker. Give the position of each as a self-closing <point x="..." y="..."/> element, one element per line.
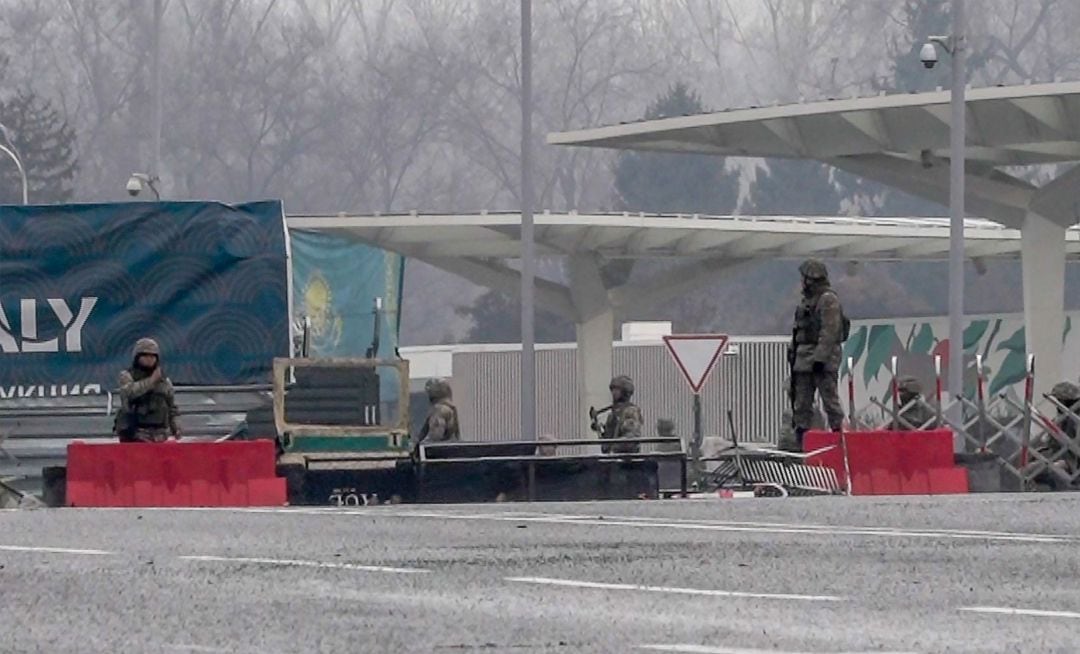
<point x="1043" y="264"/>
<point x="595" y="327"/>
<point x="594" y="365"/>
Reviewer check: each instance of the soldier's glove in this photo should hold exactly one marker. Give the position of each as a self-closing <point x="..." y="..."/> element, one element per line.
<point x="819" y="366"/>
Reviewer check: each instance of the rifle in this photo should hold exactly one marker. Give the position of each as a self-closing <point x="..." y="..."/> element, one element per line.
<point x="594" y="414"/>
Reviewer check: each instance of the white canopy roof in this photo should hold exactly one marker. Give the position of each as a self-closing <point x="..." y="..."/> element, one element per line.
<point x="435" y="237"/>
<point x="1017" y="125"/>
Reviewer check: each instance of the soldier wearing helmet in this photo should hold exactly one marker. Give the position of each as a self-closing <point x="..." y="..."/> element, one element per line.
<point x="625" y="419"/>
<point x="814" y="353"/>
<point x="442" y="419"/>
<point x="1064" y="463"/>
<point x="148" y="410"/>
<point x="913" y="414"/>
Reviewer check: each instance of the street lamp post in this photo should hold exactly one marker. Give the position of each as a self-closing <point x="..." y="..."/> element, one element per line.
<point x="957" y="158"/>
<point x="10" y="150"/>
<point x="956" y="47"/>
<point x="22" y="171"/>
<point x="528" y="250"/>
<point x="155" y="167"/>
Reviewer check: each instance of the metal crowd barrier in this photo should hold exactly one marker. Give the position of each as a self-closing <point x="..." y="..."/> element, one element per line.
<point x="1028" y="444"/>
<point x="46" y="407"/>
<point x="35" y="431"/>
<point x="530" y="460"/>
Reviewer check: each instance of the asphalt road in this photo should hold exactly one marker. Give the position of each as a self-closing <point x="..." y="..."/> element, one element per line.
<point x="816" y="575"/>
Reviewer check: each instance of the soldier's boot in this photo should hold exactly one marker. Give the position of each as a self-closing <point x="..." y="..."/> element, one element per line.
<point x="799" y="433"/>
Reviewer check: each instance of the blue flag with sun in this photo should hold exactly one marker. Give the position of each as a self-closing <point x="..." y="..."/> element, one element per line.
<point x="335" y="283"/>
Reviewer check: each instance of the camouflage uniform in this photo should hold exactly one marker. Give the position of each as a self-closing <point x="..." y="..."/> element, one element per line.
<point x="442" y="420"/>
<point x="787" y="432"/>
<point x="1068" y="394"/>
<point x="625" y="419"/>
<point x="815" y="353"/>
<point x="914" y="413"/>
<point x="148" y="410"/>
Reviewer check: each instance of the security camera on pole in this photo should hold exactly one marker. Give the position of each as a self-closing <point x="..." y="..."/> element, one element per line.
<point x="138" y="181"/>
<point x="955" y="46"/>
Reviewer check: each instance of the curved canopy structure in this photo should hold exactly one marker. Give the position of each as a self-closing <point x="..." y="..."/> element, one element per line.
<point x="495" y="235"/>
<point x="478" y="247"/>
<point x="903" y="141"/>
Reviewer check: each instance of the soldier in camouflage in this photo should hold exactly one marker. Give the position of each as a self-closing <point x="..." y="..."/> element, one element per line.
<point x="1068" y="395"/>
<point x="442" y="419"/>
<point x="148" y="410"/>
<point x="787" y="432"/>
<point x="814" y="353"/>
<point x="625" y="419"/>
<point x="914" y="414"/>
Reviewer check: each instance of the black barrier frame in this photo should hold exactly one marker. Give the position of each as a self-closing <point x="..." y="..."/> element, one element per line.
<point x="532" y="459"/>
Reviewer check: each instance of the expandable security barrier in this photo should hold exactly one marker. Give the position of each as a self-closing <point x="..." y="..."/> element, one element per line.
<point x="237" y="473"/>
<point x="1033" y="440"/>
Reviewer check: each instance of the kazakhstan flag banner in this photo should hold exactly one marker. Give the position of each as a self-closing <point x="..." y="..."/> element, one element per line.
<point x="335" y="283"/>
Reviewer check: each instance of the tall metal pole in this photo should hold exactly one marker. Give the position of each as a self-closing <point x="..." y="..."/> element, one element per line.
<point x="528" y="251"/>
<point x="155" y="165"/>
<point x="695" y="445"/>
<point x="957" y="157"/>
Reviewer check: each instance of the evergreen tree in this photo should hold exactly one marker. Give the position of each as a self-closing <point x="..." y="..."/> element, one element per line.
<point x="496" y="318"/>
<point x="660" y="182"/>
<point x="794" y="188"/>
<point x="45" y="143"/>
<point x="644" y="181"/>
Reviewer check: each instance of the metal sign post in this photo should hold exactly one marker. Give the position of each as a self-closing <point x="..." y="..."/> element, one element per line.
<point x="696" y="355"/>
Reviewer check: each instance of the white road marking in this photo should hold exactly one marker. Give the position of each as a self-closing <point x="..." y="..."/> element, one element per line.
<point x="180" y="647"/>
<point x="52" y="550"/>
<point x="703" y="649"/>
<point x="1000" y="610"/>
<point x="967" y="532"/>
<point x="667" y="523"/>
<point x="668" y="589"/>
<point x="305" y="564"/>
<point x="768" y="528"/>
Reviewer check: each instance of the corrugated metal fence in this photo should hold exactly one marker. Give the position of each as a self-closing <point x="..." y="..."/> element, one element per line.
<point x="748" y="381"/>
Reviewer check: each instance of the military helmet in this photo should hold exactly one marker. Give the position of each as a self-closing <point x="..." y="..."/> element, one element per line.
<point x="813" y="269"/>
<point x="145" y="346"/>
<point x="910" y="385"/>
<point x="437" y="389"/>
<point x="624" y="383"/>
<point x="1065" y="392"/>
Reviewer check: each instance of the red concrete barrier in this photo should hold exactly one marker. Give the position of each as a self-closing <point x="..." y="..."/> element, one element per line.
<point x="892" y="463"/>
<point x="235" y="473"/>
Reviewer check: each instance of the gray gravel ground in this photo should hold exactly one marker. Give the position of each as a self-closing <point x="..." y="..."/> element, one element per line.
<point x="816" y="575"/>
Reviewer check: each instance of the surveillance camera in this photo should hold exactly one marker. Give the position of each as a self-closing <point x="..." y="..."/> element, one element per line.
<point x="134" y="186"/>
<point x="928" y="55"/>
